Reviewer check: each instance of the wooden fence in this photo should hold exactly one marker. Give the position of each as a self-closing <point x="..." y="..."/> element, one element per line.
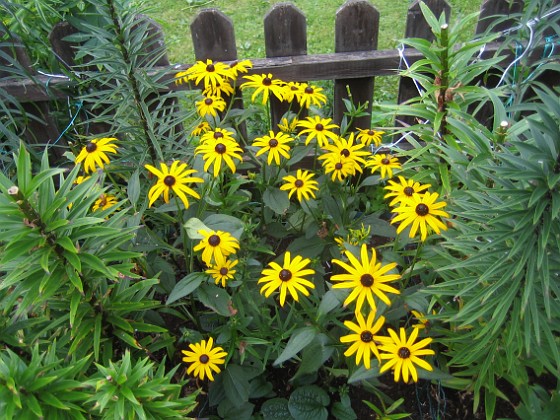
<point x="354" y="63"/>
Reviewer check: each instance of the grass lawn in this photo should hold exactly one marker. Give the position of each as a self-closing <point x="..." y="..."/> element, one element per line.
<point x="247" y="16"/>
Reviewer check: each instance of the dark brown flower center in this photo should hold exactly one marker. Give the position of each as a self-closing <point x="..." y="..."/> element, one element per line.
<point x="366" y="280"/>
<point x="338" y="166"/>
<point x="370" y="132"/>
<point x="208" y="101"/>
<point x="91" y="147"/>
<point x="223" y="271"/>
<point x="345" y="152"/>
<point x="404" y="353"/>
<point x="319" y="127"/>
<point x="408" y="191"/>
<point x="169" y="180"/>
<point x="210" y="68"/>
<point x="204" y="359"/>
<point x="214" y="240"/>
<point x="366" y="336"/>
<point x="220" y="148"/>
<point x="385" y="161"/>
<point x="422" y="209"/>
<point x="218" y="135"/>
<point x="293" y="88"/>
<point x="285" y="275"/>
<point x="298" y="183"/>
<point x="267" y="81"/>
<point x="273" y="142"/>
<point x="309" y="90"/>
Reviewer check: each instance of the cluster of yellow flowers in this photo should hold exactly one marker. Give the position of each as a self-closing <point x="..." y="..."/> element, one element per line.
<point x="341" y="158"/>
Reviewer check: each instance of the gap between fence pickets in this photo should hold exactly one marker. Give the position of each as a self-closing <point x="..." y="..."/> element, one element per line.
<point x="296" y="68"/>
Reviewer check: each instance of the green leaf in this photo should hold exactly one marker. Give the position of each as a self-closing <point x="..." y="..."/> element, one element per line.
<point x="276" y="409"/>
<point x="215" y="298"/>
<point x="277" y="200"/>
<point x="363" y="374"/>
<point x="297" y="342"/>
<point x="309" y="402"/>
<point x="193" y="226"/>
<point x="236" y="384"/>
<point x="133" y="189"/>
<point x="329" y="302"/>
<point x="186" y="286"/>
<point x="225" y="223"/>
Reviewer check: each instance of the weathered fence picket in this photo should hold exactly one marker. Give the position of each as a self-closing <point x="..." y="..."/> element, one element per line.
<point x="353" y="65"/>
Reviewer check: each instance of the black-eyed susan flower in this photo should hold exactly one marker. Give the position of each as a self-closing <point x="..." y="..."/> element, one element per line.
<point x="319" y="128"/>
<point x="221" y="90"/>
<point x="216" y="245"/>
<point x="384" y="163"/>
<point x="238" y="67"/>
<point x="302" y="184"/>
<point x="311" y="95"/>
<point x="421" y="212"/>
<point x="210" y="105"/>
<point x="275" y="145"/>
<point x="287" y="277"/>
<point x="367" y="136"/>
<point x="403" y="190"/>
<point x="104" y="202"/>
<point x="422" y="319"/>
<point x="204" y="358"/>
<point x="263" y="84"/>
<point x="338" y="166"/>
<point x="215" y="151"/>
<point x="222" y="270"/>
<point x="366" y="278"/>
<point x="210" y="73"/>
<point x="363" y="338"/>
<point x="217" y="134"/>
<point x="292" y="91"/>
<point x="288" y="126"/>
<point x="95" y="153"/>
<point x="175" y="178"/>
<point x="402" y="354"/>
<point x="201" y="128"/>
<point x="353" y="153"/>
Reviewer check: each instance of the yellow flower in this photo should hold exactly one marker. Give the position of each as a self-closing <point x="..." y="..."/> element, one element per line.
<point x="338" y="166"/>
<point x="81" y="178"/>
<point x="287" y="278"/>
<point x="219" y="90"/>
<point x="215" y="151"/>
<point x="238" y="67"/>
<point x="264" y="84"/>
<point x="216" y="245"/>
<point x="320" y="128"/>
<point x="403" y="192"/>
<point x="421" y="212"/>
<point x="402" y="354"/>
<point x="363" y="338"/>
<point x="422" y="319"/>
<point x="222" y="270"/>
<point x="367" y="135"/>
<point x="385" y="164"/>
<point x="95" y="153"/>
<point x="354" y="153"/>
<point x="210" y="73"/>
<point x="275" y="145"/>
<point x="311" y="95"/>
<point x="204" y="359"/>
<point x="201" y="128"/>
<point x="291" y="91"/>
<point x="301" y="184"/>
<point x="175" y="178"/>
<point x="217" y="134"/>
<point x="104" y="202"/>
<point x="210" y="105"/>
<point x="288" y="126"/>
<point x="366" y="278"/>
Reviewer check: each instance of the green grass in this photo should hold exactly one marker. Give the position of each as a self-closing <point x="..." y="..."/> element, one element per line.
<point x="247" y="17"/>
